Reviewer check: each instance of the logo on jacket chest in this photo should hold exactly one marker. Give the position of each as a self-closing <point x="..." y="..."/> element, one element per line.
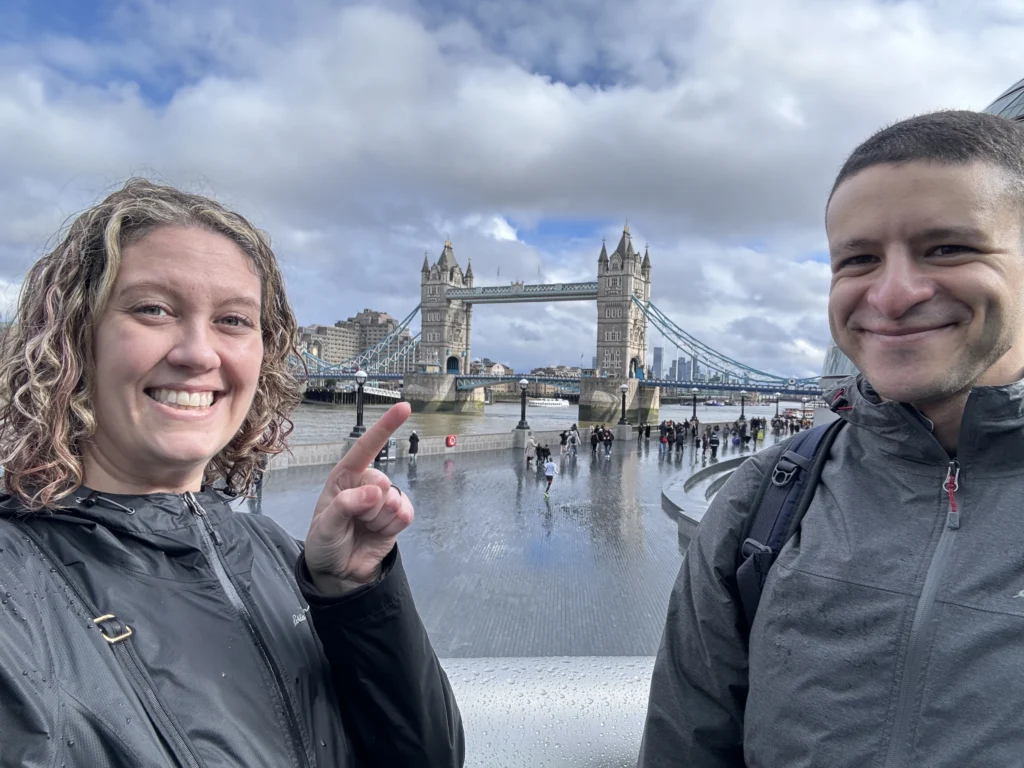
<point x="297" y="617"/>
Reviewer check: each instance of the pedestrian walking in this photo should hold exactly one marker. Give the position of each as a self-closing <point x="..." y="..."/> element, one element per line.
<point x="594" y="439"/>
<point x="608" y="438"/>
<point x="531" y="450"/>
<point x="414" y="445"/>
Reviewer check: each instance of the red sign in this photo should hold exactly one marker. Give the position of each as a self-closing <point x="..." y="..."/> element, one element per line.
<point x="450" y="441"/>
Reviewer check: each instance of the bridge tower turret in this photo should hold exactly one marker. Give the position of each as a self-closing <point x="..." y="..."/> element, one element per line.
<point x="621" y="325"/>
<point x="445" y="323"/>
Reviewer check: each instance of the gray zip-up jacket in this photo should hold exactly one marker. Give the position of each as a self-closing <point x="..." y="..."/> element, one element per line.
<point x="213" y="647"/>
<point x="891" y="628"/>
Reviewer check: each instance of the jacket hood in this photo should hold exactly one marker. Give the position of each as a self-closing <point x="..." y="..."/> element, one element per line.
<point x="992" y="428"/>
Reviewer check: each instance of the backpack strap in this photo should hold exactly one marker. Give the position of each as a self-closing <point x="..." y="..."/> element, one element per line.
<point x="779" y="507"/>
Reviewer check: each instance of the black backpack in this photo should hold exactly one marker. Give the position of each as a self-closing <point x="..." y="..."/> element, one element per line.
<point x="780" y="505"/>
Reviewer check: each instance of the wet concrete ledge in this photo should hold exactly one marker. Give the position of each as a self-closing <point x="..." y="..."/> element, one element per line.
<point x="687" y="497"/>
<point x="331" y="453"/>
<point x="552" y="712"/>
<point x="316" y="454"/>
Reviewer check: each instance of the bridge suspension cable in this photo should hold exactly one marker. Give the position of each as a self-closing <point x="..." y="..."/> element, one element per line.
<point x="710" y="358"/>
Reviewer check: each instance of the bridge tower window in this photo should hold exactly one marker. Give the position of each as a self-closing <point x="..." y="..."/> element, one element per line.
<point x="452" y="366"/>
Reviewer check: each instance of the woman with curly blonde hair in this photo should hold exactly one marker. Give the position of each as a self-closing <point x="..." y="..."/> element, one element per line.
<point x="144" y="622"/>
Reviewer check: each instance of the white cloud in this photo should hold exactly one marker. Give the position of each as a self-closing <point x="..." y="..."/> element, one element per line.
<point x="495" y="227"/>
<point x="360" y="136"/>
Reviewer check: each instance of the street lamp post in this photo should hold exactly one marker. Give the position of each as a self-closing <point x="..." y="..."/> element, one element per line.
<point x="743" y="402"/>
<point x="777" y="396"/>
<point x="623" y="389"/>
<point x="694" y="392"/>
<point x="803" y="409"/>
<point x="523" y="384"/>
<point x="358" y="429"/>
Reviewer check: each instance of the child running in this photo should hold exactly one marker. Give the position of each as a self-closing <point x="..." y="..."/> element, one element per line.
<point x="550" y="470"/>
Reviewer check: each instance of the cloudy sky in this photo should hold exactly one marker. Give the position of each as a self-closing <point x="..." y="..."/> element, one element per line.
<point x="360" y="135"/>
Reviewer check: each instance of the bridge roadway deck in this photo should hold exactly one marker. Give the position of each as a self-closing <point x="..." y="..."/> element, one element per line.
<point x="497" y="570"/>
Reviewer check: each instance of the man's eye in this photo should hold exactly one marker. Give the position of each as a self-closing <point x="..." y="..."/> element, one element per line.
<point x="951" y="250"/>
<point x="856" y="261"/>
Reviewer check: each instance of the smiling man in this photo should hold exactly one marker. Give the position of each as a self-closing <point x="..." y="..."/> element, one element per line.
<point x="888" y="632"/>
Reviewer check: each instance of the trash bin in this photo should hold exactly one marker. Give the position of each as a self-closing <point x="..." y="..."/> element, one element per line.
<point x="388" y="453"/>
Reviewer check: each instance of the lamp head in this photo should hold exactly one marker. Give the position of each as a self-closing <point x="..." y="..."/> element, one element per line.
<point x="360" y="377"/>
<point x="523" y="384"/>
<point x="624" y="388"/>
<point x="694" y="391"/>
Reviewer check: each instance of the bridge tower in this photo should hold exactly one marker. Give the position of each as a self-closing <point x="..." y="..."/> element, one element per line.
<point x="445" y="323"/>
<point x="621" y="325"/>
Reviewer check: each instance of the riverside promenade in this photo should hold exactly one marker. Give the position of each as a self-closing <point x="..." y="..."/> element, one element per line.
<point x="497" y="570"/>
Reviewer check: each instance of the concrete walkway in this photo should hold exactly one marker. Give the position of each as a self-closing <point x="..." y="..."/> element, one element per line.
<point x="499" y="571"/>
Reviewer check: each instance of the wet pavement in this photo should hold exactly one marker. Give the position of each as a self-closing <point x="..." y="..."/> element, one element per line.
<point x="498" y="570"/>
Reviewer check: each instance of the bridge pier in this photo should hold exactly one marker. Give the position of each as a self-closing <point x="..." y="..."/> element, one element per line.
<point x="601" y="401"/>
<point x="427" y="392"/>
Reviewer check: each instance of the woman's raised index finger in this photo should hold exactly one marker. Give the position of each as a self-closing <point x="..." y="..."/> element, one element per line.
<point x="361" y="455"/>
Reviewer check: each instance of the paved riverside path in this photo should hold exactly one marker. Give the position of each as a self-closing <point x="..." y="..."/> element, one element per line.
<point x="497" y="570"/>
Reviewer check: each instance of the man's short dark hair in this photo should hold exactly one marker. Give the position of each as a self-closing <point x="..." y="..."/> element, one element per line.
<point x="950" y="137"/>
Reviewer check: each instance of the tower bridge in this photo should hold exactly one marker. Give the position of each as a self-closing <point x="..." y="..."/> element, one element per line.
<point x="622" y="293"/>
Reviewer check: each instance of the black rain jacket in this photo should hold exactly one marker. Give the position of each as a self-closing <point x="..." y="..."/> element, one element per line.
<point x="212" y="648"/>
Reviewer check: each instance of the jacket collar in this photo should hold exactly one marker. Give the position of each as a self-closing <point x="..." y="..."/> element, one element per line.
<point x="148" y="513"/>
<point x="991" y="433"/>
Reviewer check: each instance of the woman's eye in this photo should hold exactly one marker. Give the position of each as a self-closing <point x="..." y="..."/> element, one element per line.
<point x="152" y="310"/>
<point x="238" y="321"/>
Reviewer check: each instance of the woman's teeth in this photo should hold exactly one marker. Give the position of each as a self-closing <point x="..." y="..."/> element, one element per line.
<point x="179" y="399"/>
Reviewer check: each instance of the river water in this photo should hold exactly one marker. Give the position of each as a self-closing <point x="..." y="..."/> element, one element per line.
<point x="332" y="423"/>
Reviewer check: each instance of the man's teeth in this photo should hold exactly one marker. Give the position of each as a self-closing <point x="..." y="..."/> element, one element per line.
<point x="182" y="399"/>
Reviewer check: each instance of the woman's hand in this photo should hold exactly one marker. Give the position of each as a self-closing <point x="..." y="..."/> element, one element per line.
<point x="358" y="515"/>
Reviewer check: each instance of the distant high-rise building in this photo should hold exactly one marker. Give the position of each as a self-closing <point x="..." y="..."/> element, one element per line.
<point x="348" y="338"/>
<point x="659" y="355"/>
<point x="332" y="344"/>
<point x="671" y="373"/>
<point x="594" y="366"/>
<point x="685" y="369"/>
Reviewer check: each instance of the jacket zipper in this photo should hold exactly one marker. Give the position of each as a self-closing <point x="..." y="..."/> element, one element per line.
<point x="922" y="628"/>
<point x="212" y="543"/>
<point x="133" y="666"/>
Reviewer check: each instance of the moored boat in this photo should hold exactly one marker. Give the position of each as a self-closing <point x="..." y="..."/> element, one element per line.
<point x="548" y="402"/>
